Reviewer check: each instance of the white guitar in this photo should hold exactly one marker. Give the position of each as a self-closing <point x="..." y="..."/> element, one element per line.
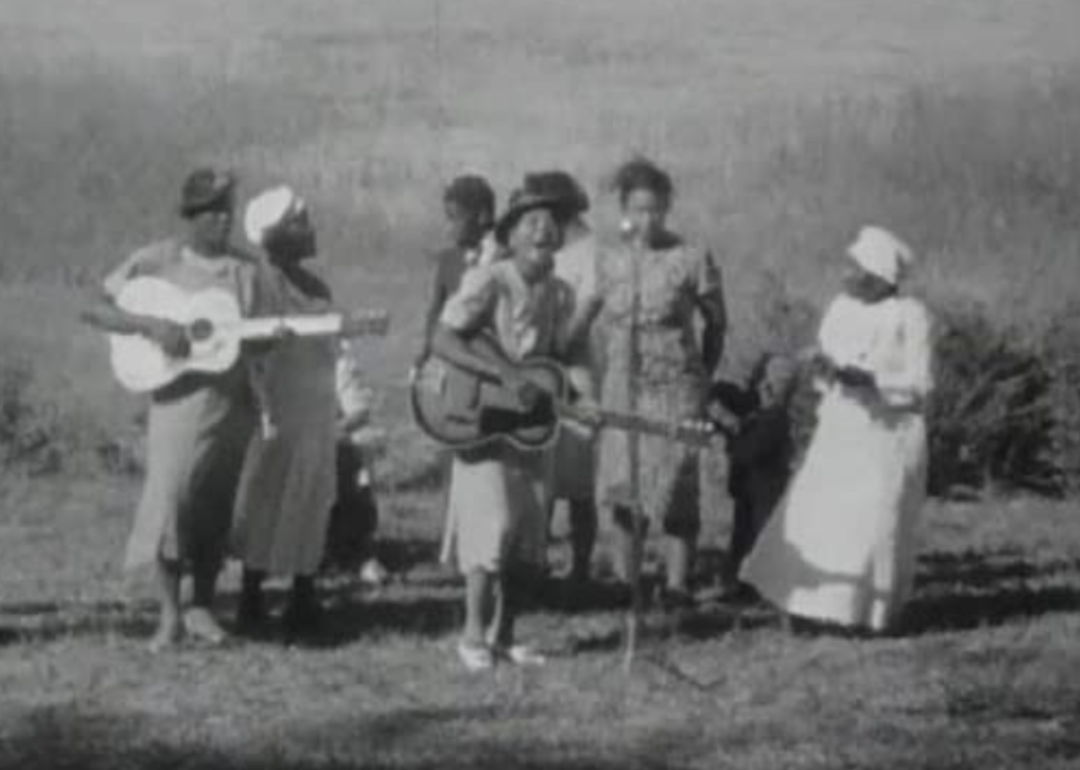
<point x="215" y="329"/>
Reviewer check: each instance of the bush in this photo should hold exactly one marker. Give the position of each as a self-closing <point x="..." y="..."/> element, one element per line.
<point x="991" y="417"/>
<point x="39" y="436"/>
<point x="1005" y="412"/>
<point x="26" y="430"/>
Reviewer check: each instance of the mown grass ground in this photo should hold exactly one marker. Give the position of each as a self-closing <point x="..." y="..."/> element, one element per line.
<point x="787" y="124"/>
<point x="985" y="678"/>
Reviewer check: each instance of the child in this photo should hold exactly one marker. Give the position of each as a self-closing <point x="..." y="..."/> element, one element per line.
<point x="469" y="208"/>
<point x="355" y="514"/>
<point x="759" y="453"/>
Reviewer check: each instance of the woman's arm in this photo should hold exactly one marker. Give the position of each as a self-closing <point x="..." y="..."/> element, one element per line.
<point x="575" y="335"/>
<point x="436" y="301"/>
<point x="454" y="346"/>
<point x="709" y="298"/>
<point x="102" y="313"/>
<point x="713" y="332"/>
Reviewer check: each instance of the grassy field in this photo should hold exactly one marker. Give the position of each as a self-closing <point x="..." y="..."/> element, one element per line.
<point x="786" y="123"/>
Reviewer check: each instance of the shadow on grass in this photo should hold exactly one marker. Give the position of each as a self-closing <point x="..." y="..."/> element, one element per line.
<point x="970" y="589"/>
<point x="47" y="621"/>
<point x="407" y="739"/>
<point x="964" y="611"/>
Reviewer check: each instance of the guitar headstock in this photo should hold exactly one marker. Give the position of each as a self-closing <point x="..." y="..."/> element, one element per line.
<point x="365" y="323"/>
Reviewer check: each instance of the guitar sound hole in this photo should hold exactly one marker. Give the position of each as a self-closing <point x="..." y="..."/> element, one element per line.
<point x="200" y="330"/>
<point x="496" y="420"/>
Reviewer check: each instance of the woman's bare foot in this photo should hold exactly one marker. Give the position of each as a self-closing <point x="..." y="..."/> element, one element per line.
<point x="200" y="623"/>
<point x="170" y="632"/>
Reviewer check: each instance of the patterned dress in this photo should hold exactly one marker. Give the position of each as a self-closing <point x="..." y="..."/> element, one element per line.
<point x="669" y="374"/>
<point x="575" y="449"/>
<point x="197" y="427"/>
<point x="289" y="481"/>
<point x="499" y="496"/>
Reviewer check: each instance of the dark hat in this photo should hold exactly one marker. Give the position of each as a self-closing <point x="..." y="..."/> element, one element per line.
<point x="206" y="189"/>
<point x="562" y="185"/>
<point x="521" y="202"/>
<point x="471" y="192"/>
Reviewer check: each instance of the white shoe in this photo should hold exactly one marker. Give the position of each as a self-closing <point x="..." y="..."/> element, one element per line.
<point x="475" y="657"/>
<point x="373" y="573"/>
<point x="521" y="655"/>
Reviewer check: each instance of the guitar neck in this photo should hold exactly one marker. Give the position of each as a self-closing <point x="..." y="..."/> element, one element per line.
<point x="637" y="424"/>
<point x="271" y="326"/>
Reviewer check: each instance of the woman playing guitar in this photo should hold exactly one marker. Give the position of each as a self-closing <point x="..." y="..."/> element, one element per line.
<point x="499" y="494"/>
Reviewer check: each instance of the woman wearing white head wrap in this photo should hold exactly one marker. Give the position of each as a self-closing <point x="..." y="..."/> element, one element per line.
<point x="842" y="549"/>
<point x="288" y="484"/>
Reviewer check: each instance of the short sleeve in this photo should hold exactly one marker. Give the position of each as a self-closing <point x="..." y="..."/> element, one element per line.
<point x="472" y="305"/>
<point x="139" y="263"/>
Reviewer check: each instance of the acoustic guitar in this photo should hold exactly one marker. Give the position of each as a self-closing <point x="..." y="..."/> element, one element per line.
<point x="462" y="410"/>
<point x="216" y="330"/>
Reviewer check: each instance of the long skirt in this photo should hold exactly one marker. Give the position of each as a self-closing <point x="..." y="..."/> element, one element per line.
<point x="843" y="545"/>
<point x="197" y="432"/>
<point x="497" y="510"/>
<point x="283" y="505"/>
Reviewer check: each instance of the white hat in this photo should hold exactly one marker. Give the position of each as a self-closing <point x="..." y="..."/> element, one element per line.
<point x="268" y="210"/>
<point x="881" y="253"/>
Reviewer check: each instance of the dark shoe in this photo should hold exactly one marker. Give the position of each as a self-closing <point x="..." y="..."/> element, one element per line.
<point x="676" y="600"/>
<point x="303" y="618"/>
<point x="251" y="616"/>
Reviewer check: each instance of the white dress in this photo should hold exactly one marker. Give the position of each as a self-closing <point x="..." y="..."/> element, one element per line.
<point x="842" y="548"/>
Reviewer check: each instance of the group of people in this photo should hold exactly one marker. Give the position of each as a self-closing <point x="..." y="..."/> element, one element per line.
<point x="267" y="462"/>
<point x="247" y="460"/>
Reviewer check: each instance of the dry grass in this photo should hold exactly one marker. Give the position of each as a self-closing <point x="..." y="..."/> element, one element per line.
<point x="787" y="125"/>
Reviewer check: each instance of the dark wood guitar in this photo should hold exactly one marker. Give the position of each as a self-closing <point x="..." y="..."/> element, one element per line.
<point x="461" y="410"/>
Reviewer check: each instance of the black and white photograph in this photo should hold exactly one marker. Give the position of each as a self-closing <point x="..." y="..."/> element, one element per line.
<point x="562" y="385"/>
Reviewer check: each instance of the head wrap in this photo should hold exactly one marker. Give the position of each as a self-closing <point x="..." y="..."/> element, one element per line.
<point x="879" y="252"/>
<point x="268" y="210"/>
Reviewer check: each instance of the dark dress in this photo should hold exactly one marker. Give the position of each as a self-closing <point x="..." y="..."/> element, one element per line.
<point x="759" y="465"/>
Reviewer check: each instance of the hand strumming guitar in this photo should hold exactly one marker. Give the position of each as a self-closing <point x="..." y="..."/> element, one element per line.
<point x="527" y="393"/>
<point x="170" y="336"/>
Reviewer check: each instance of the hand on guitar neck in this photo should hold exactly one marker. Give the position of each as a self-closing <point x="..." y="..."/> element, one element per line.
<point x="170" y="336"/>
<point x="158" y="332"/>
<point x="469" y="400"/>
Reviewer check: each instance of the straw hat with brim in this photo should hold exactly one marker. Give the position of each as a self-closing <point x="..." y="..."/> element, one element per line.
<point x="521" y="202"/>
